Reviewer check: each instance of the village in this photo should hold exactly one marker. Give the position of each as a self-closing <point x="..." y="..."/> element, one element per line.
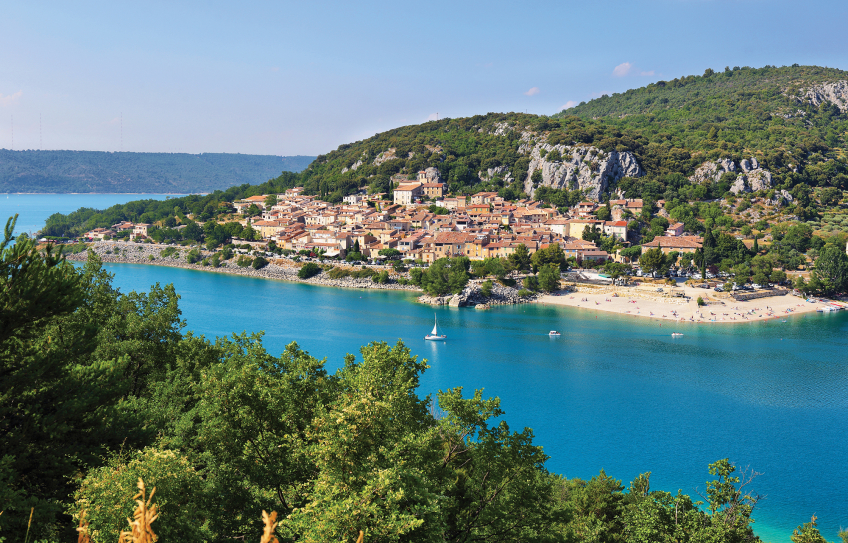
<point x="424" y="225"/>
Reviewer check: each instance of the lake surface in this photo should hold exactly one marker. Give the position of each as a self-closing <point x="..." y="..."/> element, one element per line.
<point x="613" y="392"/>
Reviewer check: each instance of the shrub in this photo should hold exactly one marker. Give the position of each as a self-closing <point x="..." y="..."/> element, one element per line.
<point x="531" y="282"/>
<point x="216" y="260"/>
<point x="150" y="257"/>
<point x="193" y="256"/>
<point x="382" y="277"/>
<point x="244" y="261"/>
<point x="259" y="262"/>
<point x="700" y="302"/>
<point x="106" y="495"/>
<point x="338" y="273"/>
<point x="486" y="288"/>
<point x="310" y="269"/>
<point x="524" y="292"/>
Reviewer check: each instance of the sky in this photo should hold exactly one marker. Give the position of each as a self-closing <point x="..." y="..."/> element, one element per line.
<point x="289" y="78"/>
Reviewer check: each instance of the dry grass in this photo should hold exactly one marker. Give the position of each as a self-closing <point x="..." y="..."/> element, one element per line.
<point x="270" y="524"/>
<point x="145" y="513"/>
<point x="82" y="530"/>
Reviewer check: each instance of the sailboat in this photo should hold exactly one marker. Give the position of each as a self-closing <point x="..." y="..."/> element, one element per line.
<point x="434" y="335"/>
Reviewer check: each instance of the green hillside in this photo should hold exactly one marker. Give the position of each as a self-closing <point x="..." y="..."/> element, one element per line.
<point x="94" y="171"/>
<point x="738" y="113"/>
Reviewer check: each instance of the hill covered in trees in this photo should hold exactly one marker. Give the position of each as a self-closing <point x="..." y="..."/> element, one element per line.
<point x="95" y="171"/>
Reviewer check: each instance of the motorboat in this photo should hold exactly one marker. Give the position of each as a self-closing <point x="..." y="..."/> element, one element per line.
<point x="554" y="333"/>
<point x="676" y="334"/>
<point x="434" y="335"/>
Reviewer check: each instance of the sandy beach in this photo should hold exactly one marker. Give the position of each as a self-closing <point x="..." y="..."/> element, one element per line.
<point x="639" y="303"/>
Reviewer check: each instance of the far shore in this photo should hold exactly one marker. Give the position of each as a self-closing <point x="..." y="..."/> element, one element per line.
<point x="642" y="302"/>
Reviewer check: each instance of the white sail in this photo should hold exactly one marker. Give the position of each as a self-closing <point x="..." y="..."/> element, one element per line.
<point x="435" y="331"/>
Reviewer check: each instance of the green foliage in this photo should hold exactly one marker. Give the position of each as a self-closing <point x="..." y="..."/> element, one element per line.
<point x="243" y="261"/>
<point x="531" y="283"/>
<point x="549" y="278"/>
<point x="310" y="269"/>
<point x="106" y="496"/>
<point x="551" y="254"/>
<point x="700" y="301"/>
<point x="832" y="270"/>
<point x="654" y="261"/>
<point x="193" y="256"/>
<point x="486" y="288"/>
<point x="382" y="277"/>
<point x="520" y="258"/>
<point x="444" y="276"/>
<point x="389" y="253"/>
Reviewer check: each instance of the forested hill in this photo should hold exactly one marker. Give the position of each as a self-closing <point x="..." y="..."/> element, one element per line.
<point x="785" y="117"/>
<point x="95" y="171"/>
<point x="793" y="120"/>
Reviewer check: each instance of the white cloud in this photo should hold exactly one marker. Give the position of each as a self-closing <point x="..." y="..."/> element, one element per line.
<point x="433" y="117"/>
<point x="533" y="91"/>
<point x="11" y="98"/>
<point x="568" y="105"/>
<point x="622" y="69"/>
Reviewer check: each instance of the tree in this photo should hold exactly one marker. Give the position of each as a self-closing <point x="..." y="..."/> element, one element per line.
<point x="631" y="252"/>
<point x="446" y="275"/>
<point x="832" y="269"/>
<point x="531" y="283"/>
<point x="654" y="261"/>
<point x="520" y="259"/>
<point x="252" y="210"/>
<point x="605" y="213"/>
<point x="615" y="269"/>
<point x="552" y="254"/>
<point x="549" y="277"/>
<point x="259" y="262"/>
<point x="389" y="253"/>
<point x="270" y="200"/>
<point x="192" y="231"/>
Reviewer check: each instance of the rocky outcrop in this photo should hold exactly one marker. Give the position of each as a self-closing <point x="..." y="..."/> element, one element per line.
<point x="836" y="93"/>
<point x="432" y="175"/>
<point x="499" y="171"/>
<point x="353" y="166"/>
<point x="578" y="168"/>
<point x="712" y="171"/>
<point x="471" y="295"/>
<point x="750" y="177"/>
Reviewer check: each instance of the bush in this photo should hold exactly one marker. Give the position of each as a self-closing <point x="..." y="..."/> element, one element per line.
<point x="486" y="288"/>
<point x="338" y="273"/>
<point x="310" y="269"/>
<point x="244" y="261"/>
<point x="382" y="277"/>
<point x="259" y="262"/>
<point x="531" y="282"/>
<point x="524" y="292"/>
<point x="193" y="256"/>
<point x="151" y="257"/>
<point x="701" y="302"/>
<point x="216" y="260"/>
<point x="106" y="494"/>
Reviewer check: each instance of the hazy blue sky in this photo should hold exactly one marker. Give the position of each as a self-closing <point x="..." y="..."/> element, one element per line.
<point x="303" y="77"/>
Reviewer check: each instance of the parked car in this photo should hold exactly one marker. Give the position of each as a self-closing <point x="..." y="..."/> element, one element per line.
<point x="659" y="289"/>
<point x="718" y="289"/>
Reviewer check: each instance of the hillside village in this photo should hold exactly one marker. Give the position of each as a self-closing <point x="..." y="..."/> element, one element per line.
<point x="423" y="224"/>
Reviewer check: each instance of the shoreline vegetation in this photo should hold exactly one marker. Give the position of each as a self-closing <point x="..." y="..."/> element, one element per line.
<point x="635" y="301"/>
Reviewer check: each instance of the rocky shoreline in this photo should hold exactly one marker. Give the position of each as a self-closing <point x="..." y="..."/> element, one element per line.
<point x="286" y="270"/>
<point x="141" y="253"/>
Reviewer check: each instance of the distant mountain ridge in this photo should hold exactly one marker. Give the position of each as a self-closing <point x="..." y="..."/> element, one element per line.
<point x="100" y="172"/>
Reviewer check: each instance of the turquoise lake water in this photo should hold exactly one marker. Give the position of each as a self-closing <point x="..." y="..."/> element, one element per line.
<point x="613" y="392"/>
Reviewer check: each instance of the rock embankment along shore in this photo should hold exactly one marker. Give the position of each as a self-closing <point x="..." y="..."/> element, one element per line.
<point x="143" y="253"/>
<point x="472" y="295"/>
<point x="286" y="270"/>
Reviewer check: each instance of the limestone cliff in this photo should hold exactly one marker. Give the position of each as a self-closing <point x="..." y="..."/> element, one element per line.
<point x="578" y="167"/>
<point x="836" y="93"/>
<point x="750" y="177"/>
